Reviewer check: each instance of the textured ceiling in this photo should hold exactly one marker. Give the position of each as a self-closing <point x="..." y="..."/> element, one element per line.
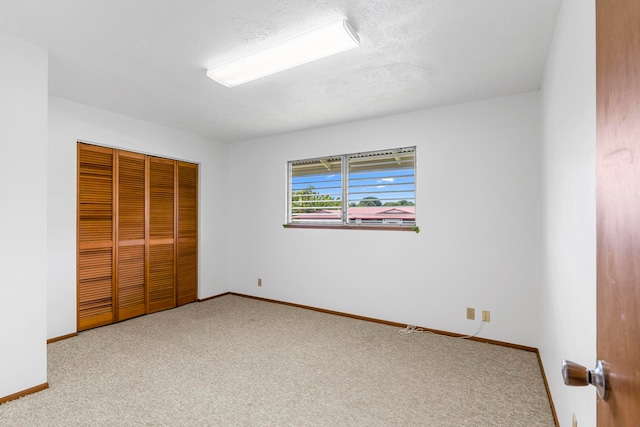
<point x="147" y="58"/>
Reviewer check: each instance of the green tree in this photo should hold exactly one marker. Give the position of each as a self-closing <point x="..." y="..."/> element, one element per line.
<point x="400" y="203"/>
<point x="370" y="201"/>
<point x="309" y="200"/>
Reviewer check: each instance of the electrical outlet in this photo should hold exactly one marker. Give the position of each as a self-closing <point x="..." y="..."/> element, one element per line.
<point x="259" y="281"/>
<point x="486" y="316"/>
<point x="574" y="420"/>
<point x="471" y="313"/>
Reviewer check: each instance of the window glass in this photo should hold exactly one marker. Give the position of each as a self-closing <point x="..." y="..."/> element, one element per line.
<point x="316" y="191"/>
<point x="379" y="189"/>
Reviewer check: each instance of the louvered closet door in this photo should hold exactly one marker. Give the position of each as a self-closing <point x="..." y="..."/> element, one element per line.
<point x="95" y="237"/>
<point x="187" y="259"/>
<point x="161" y="293"/>
<point x="130" y="279"/>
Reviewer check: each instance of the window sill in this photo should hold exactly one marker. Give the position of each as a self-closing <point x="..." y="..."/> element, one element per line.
<point x="413" y="228"/>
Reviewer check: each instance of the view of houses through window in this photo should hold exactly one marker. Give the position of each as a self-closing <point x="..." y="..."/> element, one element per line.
<point x="378" y="187"/>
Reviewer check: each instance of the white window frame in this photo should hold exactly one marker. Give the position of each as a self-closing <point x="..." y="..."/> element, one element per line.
<point x="334" y="216"/>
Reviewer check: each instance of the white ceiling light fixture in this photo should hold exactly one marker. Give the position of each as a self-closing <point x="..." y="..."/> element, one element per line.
<point x="325" y="41"/>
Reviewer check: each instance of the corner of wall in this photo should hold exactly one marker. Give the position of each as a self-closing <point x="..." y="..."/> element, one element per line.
<point x="567" y="230"/>
<point x="23" y="253"/>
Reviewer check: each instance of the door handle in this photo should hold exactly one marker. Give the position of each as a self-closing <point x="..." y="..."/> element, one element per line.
<point x="577" y="375"/>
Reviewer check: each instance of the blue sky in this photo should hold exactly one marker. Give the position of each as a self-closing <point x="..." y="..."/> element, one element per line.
<point x="387" y="185"/>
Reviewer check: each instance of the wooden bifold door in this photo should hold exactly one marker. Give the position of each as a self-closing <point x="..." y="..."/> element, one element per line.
<point x="137" y="234"/>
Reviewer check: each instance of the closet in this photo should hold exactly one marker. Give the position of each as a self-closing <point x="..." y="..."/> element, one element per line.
<point x="137" y="234"/>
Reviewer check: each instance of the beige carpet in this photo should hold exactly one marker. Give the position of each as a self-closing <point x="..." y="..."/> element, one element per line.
<point x="234" y="361"/>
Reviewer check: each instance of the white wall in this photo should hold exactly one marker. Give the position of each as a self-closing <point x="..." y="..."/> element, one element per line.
<point x="23" y="245"/>
<point x="70" y="122"/>
<point x="568" y="237"/>
<point x="477" y="209"/>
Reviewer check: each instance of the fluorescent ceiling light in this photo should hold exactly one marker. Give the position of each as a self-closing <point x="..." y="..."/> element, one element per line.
<point x="315" y="44"/>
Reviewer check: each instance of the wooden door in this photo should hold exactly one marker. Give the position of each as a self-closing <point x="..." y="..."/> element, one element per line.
<point x="187" y="253"/>
<point x="131" y="230"/>
<point x="161" y="289"/>
<point x="618" y="208"/>
<point x="95" y="212"/>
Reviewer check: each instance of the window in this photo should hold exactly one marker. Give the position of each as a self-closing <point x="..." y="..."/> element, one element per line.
<point x="365" y="189"/>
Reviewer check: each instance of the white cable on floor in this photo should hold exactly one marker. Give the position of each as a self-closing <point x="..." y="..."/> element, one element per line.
<point x="411" y="329"/>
